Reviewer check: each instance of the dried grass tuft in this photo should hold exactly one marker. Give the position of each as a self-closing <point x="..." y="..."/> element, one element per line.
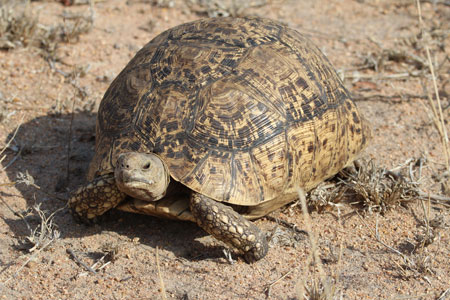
<point x="19" y="27"/>
<point x="45" y="233"/>
<point x="223" y="8"/>
<point x="39" y="238"/>
<point x="111" y="251"/>
<point x="75" y="25"/>
<point x="326" y="196"/>
<point x="315" y="290"/>
<point x="378" y="189"/>
<point x="367" y="187"/>
<point x="18" y="24"/>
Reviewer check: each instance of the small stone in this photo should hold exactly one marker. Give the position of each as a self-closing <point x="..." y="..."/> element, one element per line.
<point x="31" y="264"/>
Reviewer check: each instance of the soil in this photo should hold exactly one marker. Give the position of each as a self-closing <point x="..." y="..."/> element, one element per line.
<point x="378" y="48"/>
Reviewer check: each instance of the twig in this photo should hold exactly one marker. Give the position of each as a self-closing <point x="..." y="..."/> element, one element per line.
<point x="269" y="286"/>
<point x="313" y="241"/>
<point x="161" y="281"/>
<point x="403" y="75"/>
<point x="443" y="2"/>
<point x="439" y="117"/>
<point x="70" y="251"/>
<point x="388" y="99"/>
<point x="104" y="265"/>
<point x="407" y="297"/>
<point x="94" y="266"/>
<point x="289" y="225"/>
<point x="442" y="129"/>
<point x="17" y="214"/>
<point x="434" y="197"/>
<point x="9" y="143"/>
<point x="444" y="294"/>
<point x="13" y="159"/>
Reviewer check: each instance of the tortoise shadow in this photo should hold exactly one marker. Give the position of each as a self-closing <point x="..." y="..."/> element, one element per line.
<point x="40" y="149"/>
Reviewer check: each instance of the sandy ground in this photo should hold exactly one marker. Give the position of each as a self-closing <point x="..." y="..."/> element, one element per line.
<point x="378" y="48"/>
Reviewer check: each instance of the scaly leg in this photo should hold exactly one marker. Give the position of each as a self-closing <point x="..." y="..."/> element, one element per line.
<point x="226" y="225"/>
<point x="95" y="198"/>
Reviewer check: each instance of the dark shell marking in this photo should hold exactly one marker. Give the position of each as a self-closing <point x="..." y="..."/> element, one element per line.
<point x="242" y="110"/>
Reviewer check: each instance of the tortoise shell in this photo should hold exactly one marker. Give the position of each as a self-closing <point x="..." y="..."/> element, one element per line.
<point x="242" y="110"/>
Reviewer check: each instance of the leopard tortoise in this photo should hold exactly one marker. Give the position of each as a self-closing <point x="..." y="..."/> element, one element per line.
<point x="219" y="121"/>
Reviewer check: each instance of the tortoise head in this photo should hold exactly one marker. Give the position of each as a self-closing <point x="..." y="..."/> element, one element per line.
<point x="142" y="175"/>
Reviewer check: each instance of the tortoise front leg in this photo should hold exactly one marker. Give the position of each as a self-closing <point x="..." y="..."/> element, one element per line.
<point x="226" y="225"/>
<point x="95" y="198"/>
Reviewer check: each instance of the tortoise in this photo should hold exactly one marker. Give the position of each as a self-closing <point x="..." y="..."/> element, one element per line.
<point x="219" y="121"/>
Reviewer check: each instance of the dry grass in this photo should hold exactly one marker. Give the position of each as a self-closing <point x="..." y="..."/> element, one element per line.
<point x="45" y="233"/>
<point x="69" y="31"/>
<point x="406" y="264"/>
<point x="435" y="103"/>
<point x="111" y="251"/>
<point x="161" y="281"/>
<point x="367" y="187"/>
<point x="321" y="286"/>
<point x="327" y="196"/>
<point x="42" y="235"/>
<point x="223" y="8"/>
<point x="315" y="290"/>
<point x="18" y="24"/>
<point x="75" y="25"/>
<point x="39" y="238"/>
<point x="20" y="27"/>
<point x="376" y="189"/>
<point x="110" y="254"/>
<point x="421" y="56"/>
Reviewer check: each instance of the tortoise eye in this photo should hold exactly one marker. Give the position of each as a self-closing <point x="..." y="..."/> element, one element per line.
<point x="146" y="166"/>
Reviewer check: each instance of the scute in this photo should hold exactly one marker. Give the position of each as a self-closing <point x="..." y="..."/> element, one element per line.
<point x="231" y="117"/>
<point x="242" y="110"/>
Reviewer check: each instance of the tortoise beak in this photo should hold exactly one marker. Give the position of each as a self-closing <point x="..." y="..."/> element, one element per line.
<point x="130" y="177"/>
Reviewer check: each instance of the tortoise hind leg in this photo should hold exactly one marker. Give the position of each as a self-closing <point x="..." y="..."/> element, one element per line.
<point x="226" y="225"/>
<point x="95" y="198"/>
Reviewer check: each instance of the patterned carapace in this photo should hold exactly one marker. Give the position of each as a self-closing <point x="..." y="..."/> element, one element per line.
<point x="242" y="110"/>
